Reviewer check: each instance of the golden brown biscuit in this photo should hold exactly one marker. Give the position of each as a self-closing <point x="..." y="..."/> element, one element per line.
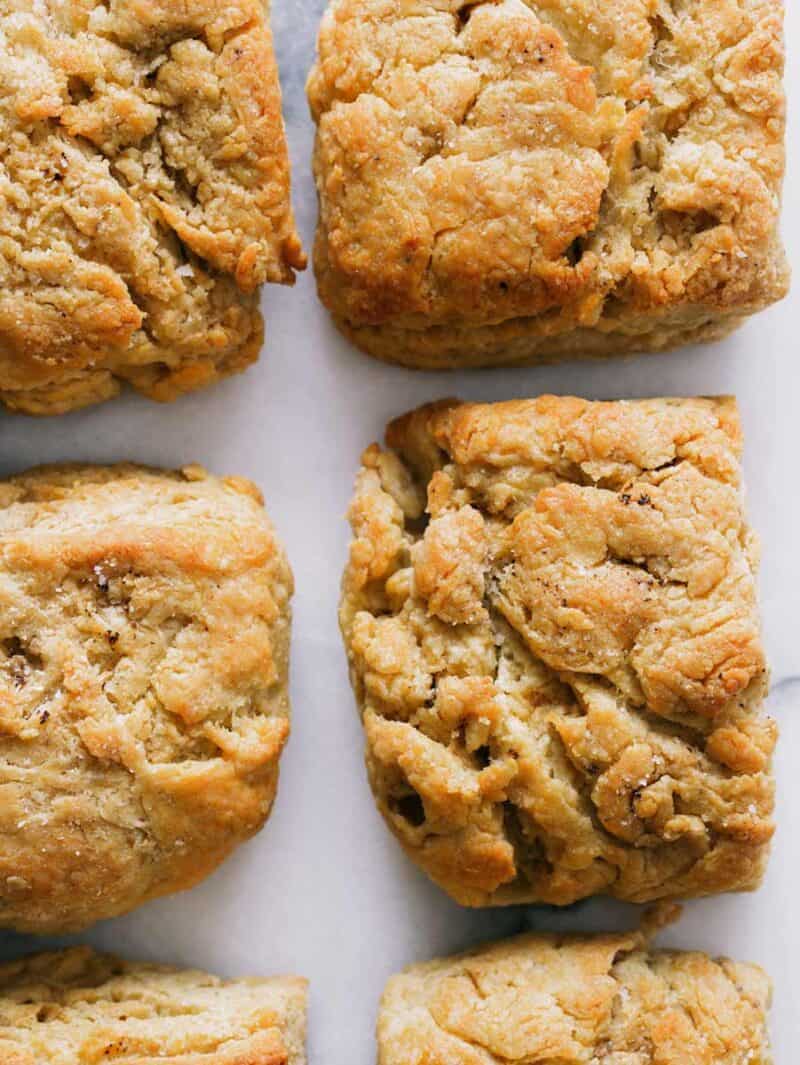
<point x="576" y="1001"/>
<point x="527" y="180"/>
<point x="81" y="1008"/>
<point x="144" y="640"/>
<point x="550" y="617"/>
<point x="144" y="196"/>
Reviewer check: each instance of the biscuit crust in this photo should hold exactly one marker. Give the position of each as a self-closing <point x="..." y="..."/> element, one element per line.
<point x="550" y="617"/>
<point x="576" y="1001"/>
<point x="78" y="1008"/>
<point x="144" y="196"/>
<point x="144" y="640"/>
<point x="527" y="180"/>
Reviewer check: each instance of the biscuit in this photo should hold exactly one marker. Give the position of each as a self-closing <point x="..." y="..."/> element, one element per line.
<point x="144" y="640"/>
<point x="519" y="181"/>
<point x="551" y="623"/>
<point x="144" y="196"/>
<point x="565" y="1001"/>
<point x="78" y="1008"/>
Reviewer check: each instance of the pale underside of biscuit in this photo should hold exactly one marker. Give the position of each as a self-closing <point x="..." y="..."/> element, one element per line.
<point x="528" y="180"/>
<point x="144" y="640"/>
<point x="79" y="1008"/>
<point x="551" y="622"/>
<point x="576" y="1001"/>
<point x="144" y="196"/>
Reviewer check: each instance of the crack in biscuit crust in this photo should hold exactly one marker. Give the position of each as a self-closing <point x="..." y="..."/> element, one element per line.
<point x="523" y="180"/>
<point x="144" y="642"/>
<point x="78" y="1008"/>
<point x="144" y="196"/>
<point x="550" y="617"/>
<point x="576" y="1001"/>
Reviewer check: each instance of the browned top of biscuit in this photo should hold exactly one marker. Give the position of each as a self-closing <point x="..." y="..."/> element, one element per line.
<point x="550" y="614"/>
<point x="576" y="1001"/>
<point x="79" y="1008"/>
<point x="585" y="161"/>
<point x="144" y="637"/>
<point x="146" y="191"/>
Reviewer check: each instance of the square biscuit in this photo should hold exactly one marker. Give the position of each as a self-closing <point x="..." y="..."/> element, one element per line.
<point x="576" y="1001"/>
<point x="517" y="181"/>
<point x="145" y="624"/>
<point x="551" y="622"/>
<point x="144" y="196"/>
<point x="77" y="1007"/>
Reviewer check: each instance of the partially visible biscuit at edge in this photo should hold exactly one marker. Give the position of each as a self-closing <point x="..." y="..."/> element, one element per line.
<point x="518" y="181"/>
<point x="144" y="705"/>
<point x="551" y="622"/>
<point x="77" y="1007"/>
<point x="145" y="197"/>
<point x="576" y="999"/>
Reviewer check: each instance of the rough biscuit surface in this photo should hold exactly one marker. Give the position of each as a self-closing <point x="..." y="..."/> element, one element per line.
<point x="144" y="637"/>
<point x="144" y="196"/>
<point x="576" y="1001"/>
<point x="81" y="1008"/>
<point x="524" y="180"/>
<point x="550" y="616"/>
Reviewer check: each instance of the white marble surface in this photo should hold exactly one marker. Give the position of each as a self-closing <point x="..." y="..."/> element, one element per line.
<point x="323" y="890"/>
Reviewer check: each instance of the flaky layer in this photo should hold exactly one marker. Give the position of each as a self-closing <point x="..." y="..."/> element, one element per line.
<point x="534" y="179"/>
<point x="144" y="196"/>
<point x="144" y="640"/>
<point x="576" y="1001"/>
<point x="79" y="1008"/>
<point x="550" y="616"/>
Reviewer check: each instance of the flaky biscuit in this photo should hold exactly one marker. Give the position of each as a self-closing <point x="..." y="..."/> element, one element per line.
<point x="144" y="196"/>
<point x="551" y="623"/>
<point x="144" y="640"/>
<point x="527" y="180"/>
<point x="79" y="1008"/>
<point x="576" y="1001"/>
